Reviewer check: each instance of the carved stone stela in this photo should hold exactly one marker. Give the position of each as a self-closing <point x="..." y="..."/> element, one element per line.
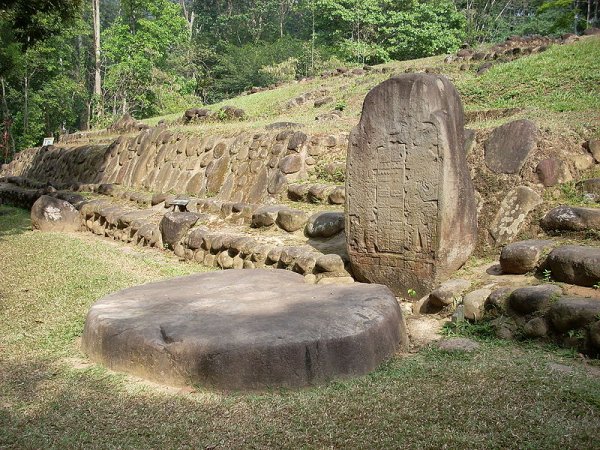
<point x="405" y="159"/>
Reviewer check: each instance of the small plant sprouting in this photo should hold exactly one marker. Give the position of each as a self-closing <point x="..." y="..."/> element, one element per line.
<point x="412" y="293"/>
<point x="576" y="334"/>
<point x="547" y="275"/>
<point x="341" y="105"/>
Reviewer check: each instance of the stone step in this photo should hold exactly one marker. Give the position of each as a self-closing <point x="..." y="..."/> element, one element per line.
<point x="317" y="193"/>
<point x="572" y="264"/>
<point x="571" y="218"/>
<point x="209" y="239"/>
<point x="211" y="242"/>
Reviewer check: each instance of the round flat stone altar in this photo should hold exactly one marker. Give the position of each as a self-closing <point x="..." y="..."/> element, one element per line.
<point x="244" y="329"/>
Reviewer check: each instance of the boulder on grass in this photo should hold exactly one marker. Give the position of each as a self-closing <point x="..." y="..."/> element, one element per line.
<point x="571" y="218"/>
<point x="325" y="224"/>
<point x="52" y="214"/>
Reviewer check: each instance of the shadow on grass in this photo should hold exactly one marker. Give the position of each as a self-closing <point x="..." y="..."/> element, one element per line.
<point x="13" y="220"/>
<point x="432" y="402"/>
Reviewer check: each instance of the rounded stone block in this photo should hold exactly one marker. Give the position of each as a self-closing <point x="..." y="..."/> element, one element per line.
<point x="245" y="329"/>
<point x="411" y="217"/>
<point x="53" y="214"/>
<point x="509" y="146"/>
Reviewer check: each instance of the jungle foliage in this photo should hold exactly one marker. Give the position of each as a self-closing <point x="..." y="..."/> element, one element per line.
<point x="160" y="56"/>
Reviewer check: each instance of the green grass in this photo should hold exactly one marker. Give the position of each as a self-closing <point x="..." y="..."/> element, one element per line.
<point x="503" y="396"/>
<point x="564" y="78"/>
<point x="561" y="84"/>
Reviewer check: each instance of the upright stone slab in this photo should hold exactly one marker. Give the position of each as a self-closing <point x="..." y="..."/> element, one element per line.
<point x="411" y="216"/>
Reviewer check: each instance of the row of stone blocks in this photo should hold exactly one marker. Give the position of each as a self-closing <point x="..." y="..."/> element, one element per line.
<point x="324" y="224"/>
<point x="321" y="224"/>
<point x="212" y="248"/>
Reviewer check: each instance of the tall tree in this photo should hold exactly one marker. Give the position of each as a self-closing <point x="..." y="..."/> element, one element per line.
<point x="97" y="93"/>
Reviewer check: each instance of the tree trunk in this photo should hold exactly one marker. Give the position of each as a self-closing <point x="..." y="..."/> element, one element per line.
<point x="97" y="75"/>
<point x="25" y="104"/>
<point x="312" y="41"/>
<point x="9" y="144"/>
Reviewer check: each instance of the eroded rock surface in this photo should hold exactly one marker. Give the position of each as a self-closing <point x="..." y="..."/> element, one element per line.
<point x="571" y="218"/>
<point x="411" y="214"/>
<point x="575" y="264"/>
<point x="53" y="214"/>
<point x="245" y="329"/>
<point x="508" y="147"/>
<point x="523" y="256"/>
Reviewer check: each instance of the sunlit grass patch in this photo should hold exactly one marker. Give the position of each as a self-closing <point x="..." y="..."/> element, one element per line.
<point x="501" y="396"/>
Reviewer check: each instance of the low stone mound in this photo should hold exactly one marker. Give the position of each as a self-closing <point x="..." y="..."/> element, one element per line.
<point x="126" y="124"/>
<point x="244" y="329"/>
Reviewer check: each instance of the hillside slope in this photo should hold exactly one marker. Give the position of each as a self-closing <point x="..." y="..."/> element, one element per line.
<point x="560" y="86"/>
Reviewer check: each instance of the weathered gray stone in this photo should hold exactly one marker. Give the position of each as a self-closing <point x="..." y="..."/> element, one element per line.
<point x="509" y="145"/>
<point x="298" y="192"/>
<point x="265" y="216"/>
<point x="53" y="214"/>
<point x="305" y="263"/>
<point x="291" y="164"/>
<point x="411" y="212"/>
<point x="291" y="219"/>
<point x="325" y="224"/>
<point x="337" y="196"/>
<point x="474" y="302"/>
<point x="523" y="256"/>
<point x="575" y="264"/>
<point x="504" y="327"/>
<point x="571" y="218"/>
<point x="570" y="313"/>
<point x="216" y="173"/>
<point x="496" y="301"/>
<point x="444" y="294"/>
<point x="277" y="183"/>
<point x="513" y="212"/>
<point x="174" y="225"/>
<point x="330" y="263"/>
<point x="297" y="139"/>
<point x="530" y="299"/>
<point x="244" y="329"/>
<point x="583" y="162"/>
<point x="458" y="345"/>
<point x="224" y="260"/>
<point x="536" y="327"/>
<point x="548" y="171"/>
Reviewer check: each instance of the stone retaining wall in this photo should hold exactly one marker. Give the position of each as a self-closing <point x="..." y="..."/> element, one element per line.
<point x="244" y="168"/>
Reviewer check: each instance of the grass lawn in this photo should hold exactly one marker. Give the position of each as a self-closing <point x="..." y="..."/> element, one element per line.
<point x="503" y="396"/>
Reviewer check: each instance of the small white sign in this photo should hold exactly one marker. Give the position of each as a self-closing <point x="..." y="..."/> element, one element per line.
<point x="48" y="141"/>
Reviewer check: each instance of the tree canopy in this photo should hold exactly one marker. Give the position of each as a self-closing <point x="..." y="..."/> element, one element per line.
<point x="160" y="56"/>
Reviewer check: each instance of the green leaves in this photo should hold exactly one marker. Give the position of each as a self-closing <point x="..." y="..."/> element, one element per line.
<point x="137" y="47"/>
<point x="375" y="31"/>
